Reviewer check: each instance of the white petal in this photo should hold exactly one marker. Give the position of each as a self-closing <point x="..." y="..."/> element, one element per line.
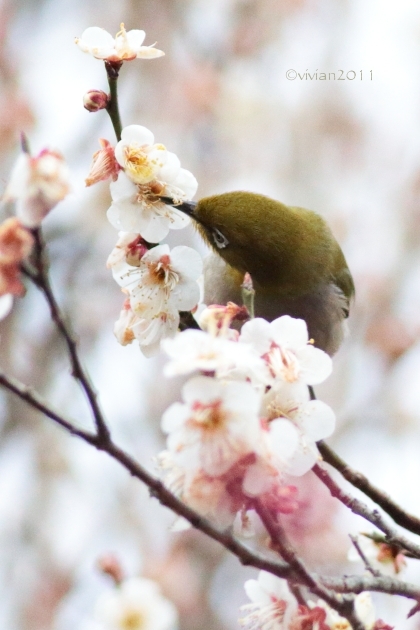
<point x="128" y="217"/>
<point x="175" y="417"/>
<point x="156" y="229"/>
<point x="302" y="461"/>
<point x="315" y="364"/>
<point x="170" y="169"/>
<point x="202" y="388"/>
<point x="135" y="38"/>
<point x="178" y="219"/>
<point x="186" y="182"/>
<point x="6" y="303"/>
<point x="187" y="261"/>
<point x="274" y="585"/>
<point x="256" y="480"/>
<point x="257" y="332"/>
<point x="256" y="593"/>
<point x="289" y="332"/>
<point x="137" y="134"/>
<point x="123" y="188"/>
<point x="148" y="52"/>
<point x="317" y="420"/>
<point x="96" y="41"/>
<point x="185" y="296"/>
<point x="284" y="439"/>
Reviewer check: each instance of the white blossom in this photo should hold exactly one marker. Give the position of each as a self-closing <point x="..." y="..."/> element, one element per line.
<point x="285" y="347"/>
<point x="137" y="209"/>
<point x="148" y="332"/>
<point x="37" y="184"/>
<point x="216" y="426"/>
<point x="313" y="420"/>
<point x="130" y="248"/>
<point x="136" y="604"/>
<point x="126" y="45"/>
<point x="193" y="350"/>
<point x="364" y="610"/>
<point x="150" y="171"/>
<point x="273" y="605"/>
<point x="164" y="280"/>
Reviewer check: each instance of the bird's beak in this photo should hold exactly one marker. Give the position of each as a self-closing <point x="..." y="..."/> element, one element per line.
<point x="188" y="207"/>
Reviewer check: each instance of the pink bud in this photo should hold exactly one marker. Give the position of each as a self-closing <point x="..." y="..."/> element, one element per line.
<point x="94" y="100"/>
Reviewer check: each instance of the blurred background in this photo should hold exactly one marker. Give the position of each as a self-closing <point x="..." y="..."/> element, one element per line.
<point x="219" y="99"/>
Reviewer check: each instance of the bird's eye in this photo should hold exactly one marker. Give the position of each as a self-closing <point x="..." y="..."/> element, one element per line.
<point x="220" y="240"/>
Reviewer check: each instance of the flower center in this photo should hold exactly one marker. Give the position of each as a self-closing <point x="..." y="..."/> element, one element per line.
<point x="132" y="620"/>
<point x="210" y="416"/>
<point x="136" y="161"/>
<point x="162" y="273"/>
<point x="283" y="362"/>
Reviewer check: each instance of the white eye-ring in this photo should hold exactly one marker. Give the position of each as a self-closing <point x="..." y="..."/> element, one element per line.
<point x="220" y="240"/>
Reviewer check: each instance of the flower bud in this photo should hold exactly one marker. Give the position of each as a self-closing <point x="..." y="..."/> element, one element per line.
<point x="94" y="100"/>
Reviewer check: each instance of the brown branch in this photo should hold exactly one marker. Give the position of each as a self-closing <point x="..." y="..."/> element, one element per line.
<point x="32" y="398"/>
<point x="343" y="605"/>
<point x="359" y="481"/>
<point x="346" y="584"/>
<point x="39" y="275"/>
<point x="371" y="515"/>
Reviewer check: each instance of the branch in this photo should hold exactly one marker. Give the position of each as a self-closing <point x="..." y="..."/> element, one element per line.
<point x="359" y="481"/>
<point x="343" y="605"/>
<point x="34" y="400"/>
<point x="346" y="584"/>
<point x="39" y="275"/>
<point x="363" y="557"/>
<point x="360" y="508"/>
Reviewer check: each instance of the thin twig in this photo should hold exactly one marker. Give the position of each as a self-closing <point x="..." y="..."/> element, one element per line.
<point x="363" y="557"/>
<point x="359" y="481"/>
<point x="32" y="398"/>
<point x="373" y="516"/>
<point x="39" y="276"/>
<point x="112" y="71"/>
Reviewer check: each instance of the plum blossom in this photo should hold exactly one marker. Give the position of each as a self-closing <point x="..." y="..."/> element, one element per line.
<point x="386" y="558"/>
<point x="273" y="605"/>
<point x="130" y="248"/>
<point x="164" y="280"/>
<point x="364" y="610"/>
<point x="313" y="420"/>
<point x="215" y="427"/>
<point x="214" y="497"/>
<point x="148" y="332"/>
<point x="126" y="45"/>
<point x="150" y="171"/>
<point x="104" y="165"/>
<point x="16" y="243"/>
<point x="287" y="350"/>
<point x="37" y="184"/>
<point x="137" y="604"/>
<point x="193" y="350"/>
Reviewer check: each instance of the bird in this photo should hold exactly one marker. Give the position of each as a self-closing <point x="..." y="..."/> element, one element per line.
<point x="296" y="264"/>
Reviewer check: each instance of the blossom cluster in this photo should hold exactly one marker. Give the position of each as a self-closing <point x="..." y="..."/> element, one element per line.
<point x="273" y="607"/>
<point x="158" y="282"/>
<point x="246" y="422"/>
<point x="37" y="184"/>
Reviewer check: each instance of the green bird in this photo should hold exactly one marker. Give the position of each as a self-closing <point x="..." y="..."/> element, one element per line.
<point x="296" y="265"/>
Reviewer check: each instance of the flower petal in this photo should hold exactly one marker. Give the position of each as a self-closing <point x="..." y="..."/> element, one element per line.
<point x="289" y="332"/>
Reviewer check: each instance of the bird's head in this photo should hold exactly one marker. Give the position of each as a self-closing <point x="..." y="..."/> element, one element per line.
<point x="270" y="240"/>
